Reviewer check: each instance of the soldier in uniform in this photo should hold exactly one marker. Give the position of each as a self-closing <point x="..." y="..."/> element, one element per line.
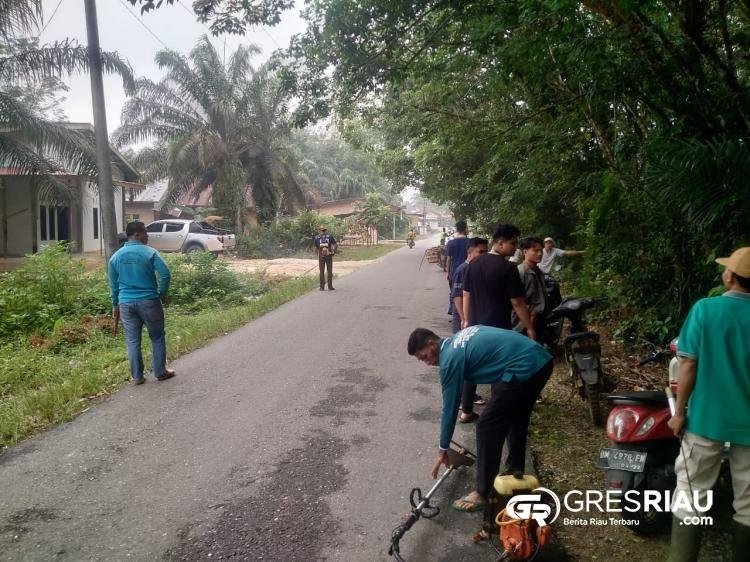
<point x="326" y="246"/>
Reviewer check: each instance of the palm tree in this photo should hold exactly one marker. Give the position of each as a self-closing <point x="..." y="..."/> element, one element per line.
<point x="215" y="124"/>
<point x="29" y="143"/>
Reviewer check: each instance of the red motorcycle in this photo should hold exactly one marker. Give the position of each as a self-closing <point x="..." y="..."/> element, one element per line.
<point x="643" y="449"/>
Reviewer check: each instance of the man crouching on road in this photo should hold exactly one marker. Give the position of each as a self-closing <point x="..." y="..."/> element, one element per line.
<point x="517" y="368"/>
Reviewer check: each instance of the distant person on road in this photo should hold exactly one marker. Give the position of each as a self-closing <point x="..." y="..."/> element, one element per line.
<point x="493" y="288"/>
<point x="137" y="300"/>
<point x="516" y="367"/>
<point x="469" y="397"/>
<point x="534" y="286"/>
<point x="713" y="406"/>
<point x="455" y="252"/>
<point x="326" y="246"/>
<point x="550" y="255"/>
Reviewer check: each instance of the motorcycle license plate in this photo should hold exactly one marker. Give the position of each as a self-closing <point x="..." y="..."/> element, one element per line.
<point x="618" y="459"/>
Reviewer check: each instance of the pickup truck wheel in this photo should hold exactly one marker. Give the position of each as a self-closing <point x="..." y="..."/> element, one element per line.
<point x="193" y="248"/>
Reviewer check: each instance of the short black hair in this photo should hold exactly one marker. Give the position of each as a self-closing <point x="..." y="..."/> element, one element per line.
<point x="419" y="339"/>
<point x="476" y="241"/>
<point x="461" y="226"/>
<point x="530" y="241"/>
<point x="505" y="231"/>
<point x="743" y="281"/>
<point x="134" y="228"/>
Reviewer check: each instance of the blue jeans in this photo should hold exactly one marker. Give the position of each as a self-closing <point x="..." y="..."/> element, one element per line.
<point x="133" y="316"/>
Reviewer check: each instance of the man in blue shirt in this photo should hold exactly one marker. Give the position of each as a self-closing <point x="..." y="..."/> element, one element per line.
<point x="516" y="367"/>
<point x="455" y="251"/>
<point x="137" y="300"/>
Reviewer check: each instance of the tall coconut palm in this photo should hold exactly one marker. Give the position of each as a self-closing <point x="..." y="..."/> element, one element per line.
<point x="215" y="124"/>
<point x="29" y="143"/>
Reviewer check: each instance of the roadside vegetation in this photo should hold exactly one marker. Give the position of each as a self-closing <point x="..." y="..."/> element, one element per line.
<point x="57" y="342"/>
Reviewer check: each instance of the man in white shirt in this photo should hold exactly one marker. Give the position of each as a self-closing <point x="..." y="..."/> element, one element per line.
<point x="550" y="254"/>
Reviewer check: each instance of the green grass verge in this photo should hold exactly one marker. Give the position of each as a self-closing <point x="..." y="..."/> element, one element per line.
<point x="356" y="253"/>
<point x="40" y="387"/>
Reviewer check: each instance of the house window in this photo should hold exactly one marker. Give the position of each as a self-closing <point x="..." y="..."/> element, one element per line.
<point x="96" y="223"/>
<point x="51" y="223"/>
<point x="43" y="222"/>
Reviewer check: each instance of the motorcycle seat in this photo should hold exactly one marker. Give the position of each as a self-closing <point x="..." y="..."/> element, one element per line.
<point x="580" y="336"/>
<point x="640" y="397"/>
<point x="570" y="307"/>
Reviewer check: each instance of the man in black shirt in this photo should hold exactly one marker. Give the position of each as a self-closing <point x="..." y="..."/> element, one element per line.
<point x="493" y="288"/>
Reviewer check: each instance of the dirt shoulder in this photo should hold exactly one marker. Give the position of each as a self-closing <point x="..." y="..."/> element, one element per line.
<point x="294" y="267"/>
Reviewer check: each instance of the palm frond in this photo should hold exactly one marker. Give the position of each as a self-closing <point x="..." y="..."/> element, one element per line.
<point x="19" y="17"/>
<point x="57" y="59"/>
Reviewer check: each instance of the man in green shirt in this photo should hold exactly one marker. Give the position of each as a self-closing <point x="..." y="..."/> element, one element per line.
<point x="714" y="389"/>
<point x="517" y="368"/>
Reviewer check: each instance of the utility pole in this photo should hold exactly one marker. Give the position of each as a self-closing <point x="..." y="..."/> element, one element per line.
<point x="103" y="155"/>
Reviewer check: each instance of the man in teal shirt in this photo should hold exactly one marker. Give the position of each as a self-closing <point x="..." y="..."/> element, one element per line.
<point x="137" y="300"/>
<point x="714" y="390"/>
<point x="517" y="368"/>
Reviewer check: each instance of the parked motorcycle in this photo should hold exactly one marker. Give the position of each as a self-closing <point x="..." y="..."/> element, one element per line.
<point x="583" y="354"/>
<point x="554" y="323"/>
<point x="643" y="448"/>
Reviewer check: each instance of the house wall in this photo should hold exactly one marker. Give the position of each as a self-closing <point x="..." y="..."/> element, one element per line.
<point x="91" y="240"/>
<point x="19" y="210"/>
<point x="144" y="210"/>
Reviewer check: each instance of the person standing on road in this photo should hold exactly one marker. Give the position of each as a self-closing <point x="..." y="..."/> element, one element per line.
<point x="713" y="406"/>
<point x="326" y="246"/>
<point x="516" y="367"/>
<point x="492" y="286"/>
<point x="550" y="255"/>
<point x="137" y="300"/>
<point x="469" y="397"/>
<point x="534" y="285"/>
<point x="455" y="252"/>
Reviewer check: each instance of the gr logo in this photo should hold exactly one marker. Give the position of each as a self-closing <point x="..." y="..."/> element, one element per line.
<point x="532" y="506"/>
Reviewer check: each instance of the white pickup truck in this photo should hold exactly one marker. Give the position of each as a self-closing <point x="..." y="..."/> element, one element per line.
<point x="179" y="235"/>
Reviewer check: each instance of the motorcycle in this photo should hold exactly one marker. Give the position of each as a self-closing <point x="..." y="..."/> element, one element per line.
<point x="583" y="353"/>
<point x="643" y="448"/>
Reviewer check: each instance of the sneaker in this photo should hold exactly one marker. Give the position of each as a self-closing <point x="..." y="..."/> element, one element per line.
<point x="331" y="289"/>
<point x="322" y="289"/>
<point x="479" y="401"/>
<point x="139" y="381"/>
<point x="168" y="374"/>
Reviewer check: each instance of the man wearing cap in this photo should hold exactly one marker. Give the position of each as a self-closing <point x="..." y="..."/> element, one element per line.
<point x="713" y="406"/>
<point x="326" y="246"/>
<point x="550" y="254"/>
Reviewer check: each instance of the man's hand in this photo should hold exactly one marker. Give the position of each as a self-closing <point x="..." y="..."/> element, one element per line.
<point x="442" y="458"/>
<point x="531" y="333"/>
<point x="116" y="313"/>
<point x="464" y="324"/>
<point x="164" y="299"/>
<point x="677" y="424"/>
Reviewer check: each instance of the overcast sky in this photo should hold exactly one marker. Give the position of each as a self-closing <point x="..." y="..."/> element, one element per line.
<point x="175" y="26"/>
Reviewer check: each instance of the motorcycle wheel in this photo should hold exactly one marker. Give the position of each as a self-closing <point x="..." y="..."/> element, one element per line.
<point x="595" y="405"/>
<point x="647" y="523"/>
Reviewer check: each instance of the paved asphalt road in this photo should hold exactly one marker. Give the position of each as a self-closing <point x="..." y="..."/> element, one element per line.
<point x="297" y="437"/>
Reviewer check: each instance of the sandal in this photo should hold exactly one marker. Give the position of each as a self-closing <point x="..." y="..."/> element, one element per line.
<point x="468" y="505"/>
<point x="472" y="418"/>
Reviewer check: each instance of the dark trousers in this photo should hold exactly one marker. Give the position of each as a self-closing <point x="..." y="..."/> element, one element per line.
<point x="507" y="414"/>
<point x="467" y="397"/>
<point x="323" y="262"/>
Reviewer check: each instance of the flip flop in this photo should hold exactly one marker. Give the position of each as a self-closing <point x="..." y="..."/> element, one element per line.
<point x="473" y="506"/>
<point x="472" y="418"/>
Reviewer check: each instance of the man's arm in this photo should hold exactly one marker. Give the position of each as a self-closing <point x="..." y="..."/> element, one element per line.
<point x="452" y="384"/>
<point x="448" y="268"/>
<point x="114" y="287"/>
<point x="573" y="252"/>
<point x="466" y="318"/>
<point x="686" y="375"/>
<point x="522" y="311"/>
<point x="458" y="308"/>
<point x="164" y="275"/>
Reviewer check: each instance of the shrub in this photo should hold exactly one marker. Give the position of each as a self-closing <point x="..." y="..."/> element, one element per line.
<point x="201" y="277"/>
